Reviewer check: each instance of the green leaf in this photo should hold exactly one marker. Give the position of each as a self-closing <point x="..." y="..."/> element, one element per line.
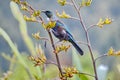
<point x="83" y="77"/>
<point x="12" y="46"/>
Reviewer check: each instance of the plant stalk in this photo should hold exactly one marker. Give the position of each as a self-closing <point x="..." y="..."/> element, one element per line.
<point x="87" y="37"/>
<point x="56" y="55"/>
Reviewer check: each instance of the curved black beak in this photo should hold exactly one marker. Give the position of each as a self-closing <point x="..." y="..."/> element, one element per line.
<point x="43" y="11"/>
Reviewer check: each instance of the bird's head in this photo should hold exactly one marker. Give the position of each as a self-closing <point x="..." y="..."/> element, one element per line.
<point x="49" y="14"/>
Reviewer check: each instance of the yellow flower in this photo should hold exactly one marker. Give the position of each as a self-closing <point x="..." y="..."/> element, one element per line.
<point x="62" y="47"/>
<point x="100" y="23"/>
<point x="111" y="51"/>
<point x="6" y="75"/>
<point x="36" y="35"/>
<point x="86" y="3"/>
<point x="36" y="13"/>
<point x="69" y="71"/>
<point x="26" y="18"/>
<point x="118" y="53"/>
<point x="63" y="15"/>
<point x="24" y="8"/>
<point x="24" y="3"/>
<point x="44" y="25"/>
<point x="103" y="22"/>
<point x="16" y="1"/>
<point x="40" y="58"/>
<point x="50" y="24"/>
<point x="31" y="19"/>
<point x="62" y="2"/>
<point x="108" y="21"/>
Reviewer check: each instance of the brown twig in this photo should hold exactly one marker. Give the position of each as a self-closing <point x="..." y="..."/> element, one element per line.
<point x="51" y="62"/>
<point x="69" y="3"/>
<point x="100" y="57"/>
<point x="80" y="42"/>
<point x="44" y="38"/>
<point x="87" y="37"/>
<point x="91" y="27"/>
<point x="74" y="18"/>
<point x="56" y="55"/>
<point x="33" y="10"/>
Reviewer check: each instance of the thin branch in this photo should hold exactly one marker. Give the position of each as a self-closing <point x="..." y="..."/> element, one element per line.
<point x="80" y="42"/>
<point x="69" y="3"/>
<point x="32" y="9"/>
<point x="44" y="38"/>
<point x="79" y="8"/>
<point x="39" y="21"/>
<point x="74" y="18"/>
<point x="91" y="27"/>
<point x="87" y="37"/>
<point x="56" y="55"/>
<point x="100" y="57"/>
<point x="51" y="62"/>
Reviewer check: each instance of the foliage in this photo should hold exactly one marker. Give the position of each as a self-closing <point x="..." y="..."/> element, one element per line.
<point x="37" y="66"/>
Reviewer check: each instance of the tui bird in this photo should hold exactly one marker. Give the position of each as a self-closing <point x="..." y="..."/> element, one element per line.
<point x="61" y="32"/>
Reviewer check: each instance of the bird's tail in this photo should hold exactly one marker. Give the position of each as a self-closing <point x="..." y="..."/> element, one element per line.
<point x="76" y="46"/>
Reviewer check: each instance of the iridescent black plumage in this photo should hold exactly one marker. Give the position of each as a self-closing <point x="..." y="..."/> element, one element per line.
<point x="60" y="31"/>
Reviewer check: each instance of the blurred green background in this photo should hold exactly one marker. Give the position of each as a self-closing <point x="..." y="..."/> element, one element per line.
<point x="101" y="39"/>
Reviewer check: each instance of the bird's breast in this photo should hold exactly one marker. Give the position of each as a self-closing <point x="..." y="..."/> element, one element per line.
<point x="60" y="33"/>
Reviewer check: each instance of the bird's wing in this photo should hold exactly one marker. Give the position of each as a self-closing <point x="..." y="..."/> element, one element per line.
<point x="61" y="24"/>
